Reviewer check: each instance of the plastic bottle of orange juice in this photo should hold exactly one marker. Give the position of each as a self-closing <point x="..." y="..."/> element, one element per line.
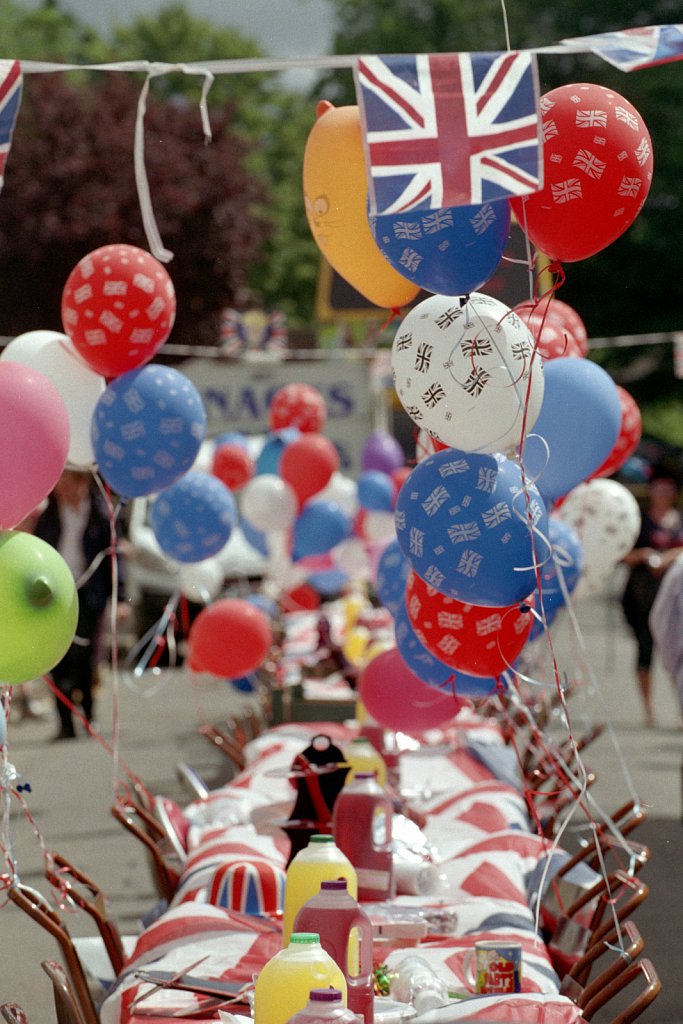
<point x="284" y="983"/>
<point x="364" y="757"/>
<point x="320" y="861"/>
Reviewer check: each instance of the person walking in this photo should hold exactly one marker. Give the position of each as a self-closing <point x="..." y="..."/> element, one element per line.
<point x="658" y="545"/>
<point x="76" y="523"/>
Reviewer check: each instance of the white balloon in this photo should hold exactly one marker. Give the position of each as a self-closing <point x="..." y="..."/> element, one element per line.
<point x="201" y="581"/>
<point x="607" y="519"/>
<point x="344" y="491"/>
<point x="269" y="503"/>
<point x="379" y="526"/>
<point x="54" y="356"/>
<point x="351" y="557"/>
<point x="465" y="371"/>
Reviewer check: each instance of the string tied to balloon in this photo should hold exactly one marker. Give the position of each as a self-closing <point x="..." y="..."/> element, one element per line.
<point x="152" y="232"/>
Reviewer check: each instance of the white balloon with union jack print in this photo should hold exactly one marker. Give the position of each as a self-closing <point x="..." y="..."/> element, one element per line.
<point x="465" y="370"/>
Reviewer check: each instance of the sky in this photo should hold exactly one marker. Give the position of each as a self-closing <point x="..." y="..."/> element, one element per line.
<point x="283" y="28"/>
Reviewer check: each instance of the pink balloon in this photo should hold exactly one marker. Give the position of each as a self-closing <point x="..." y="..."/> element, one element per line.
<point x="398" y="700"/>
<point x="34" y="440"/>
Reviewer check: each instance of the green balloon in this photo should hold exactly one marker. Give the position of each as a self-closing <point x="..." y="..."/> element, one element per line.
<point x="38" y="607"/>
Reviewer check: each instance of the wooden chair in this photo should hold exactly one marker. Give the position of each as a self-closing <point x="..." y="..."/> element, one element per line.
<point x="592" y="916"/>
<point x="37" y="907"/>
<point x="603" y="849"/>
<point x="225" y="743"/>
<point x="13" y="1013"/>
<point x="66" y="878"/>
<point x="629" y="944"/>
<point x="143" y="825"/>
<point x="641" y="971"/>
<point x="66" y="1003"/>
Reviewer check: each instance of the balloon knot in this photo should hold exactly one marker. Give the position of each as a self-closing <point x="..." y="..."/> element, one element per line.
<point x="322" y="107"/>
<point x="39" y="592"/>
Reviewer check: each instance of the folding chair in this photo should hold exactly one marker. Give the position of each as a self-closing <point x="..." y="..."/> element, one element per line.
<point x="641" y="971"/>
<point x="143" y="825"/>
<point x="601" y="851"/>
<point x="38" y="908"/>
<point x="628" y="944"/>
<point x="592" y="916"/>
<point x="13" y="1013"/>
<point x="225" y="743"/>
<point x="87" y="895"/>
<point x="66" y="1003"/>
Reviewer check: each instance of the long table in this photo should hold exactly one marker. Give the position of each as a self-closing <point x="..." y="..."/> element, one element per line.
<point x="476" y="831"/>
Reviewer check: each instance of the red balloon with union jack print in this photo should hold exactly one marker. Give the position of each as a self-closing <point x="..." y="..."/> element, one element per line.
<point x="597" y="166"/>
<point x="481" y="641"/>
<point x="118" y="308"/>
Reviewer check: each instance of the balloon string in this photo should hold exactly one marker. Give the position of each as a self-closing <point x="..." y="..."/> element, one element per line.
<point x="394" y="314"/>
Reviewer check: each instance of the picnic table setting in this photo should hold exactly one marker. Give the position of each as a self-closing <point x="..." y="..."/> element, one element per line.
<point x="408" y="830"/>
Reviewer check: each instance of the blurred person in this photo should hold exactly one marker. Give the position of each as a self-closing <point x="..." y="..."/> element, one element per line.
<point x="76" y="522"/>
<point x="658" y="545"/>
<point x="666" y="625"/>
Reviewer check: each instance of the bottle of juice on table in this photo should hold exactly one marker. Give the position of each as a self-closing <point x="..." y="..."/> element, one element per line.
<point x="364" y="757"/>
<point x="346" y="934"/>
<point x="325" y="1004"/>
<point x="361" y="824"/>
<point x="320" y="861"/>
<point x="284" y="983"/>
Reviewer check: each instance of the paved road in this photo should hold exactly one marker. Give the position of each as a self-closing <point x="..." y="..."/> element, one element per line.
<point x="72" y="787"/>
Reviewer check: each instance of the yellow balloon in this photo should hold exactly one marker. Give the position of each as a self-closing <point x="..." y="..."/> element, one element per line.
<point x="335" y="193"/>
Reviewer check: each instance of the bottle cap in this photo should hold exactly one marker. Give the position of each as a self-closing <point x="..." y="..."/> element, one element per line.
<point x="325" y="995"/>
<point x="304" y="938"/>
<point x="321" y="839"/>
<point x="335" y="884"/>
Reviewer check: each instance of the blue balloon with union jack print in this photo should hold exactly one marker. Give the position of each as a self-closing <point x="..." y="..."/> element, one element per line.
<point x="451" y="251"/>
<point x="472" y="527"/>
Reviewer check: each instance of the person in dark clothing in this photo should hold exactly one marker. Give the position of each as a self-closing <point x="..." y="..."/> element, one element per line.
<point x="659" y="544"/>
<point x="76" y="523"/>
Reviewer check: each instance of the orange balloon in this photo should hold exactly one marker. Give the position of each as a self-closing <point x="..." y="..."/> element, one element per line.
<point x="335" y="193"/>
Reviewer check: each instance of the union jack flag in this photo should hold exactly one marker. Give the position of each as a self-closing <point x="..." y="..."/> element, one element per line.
<point x="635" y="48"/>
<point x="449" y="129"/>
<point x="10" y="98"/>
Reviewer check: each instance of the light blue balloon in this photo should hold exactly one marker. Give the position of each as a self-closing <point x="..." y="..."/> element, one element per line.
<point x="328" y="581"/>
<point x="194" y="517"/>
<point x="268" y="605"/>
<point x="451" y="251"/>
<point x="375" y="491"/>
<point x="393" y="569"/>
<point x="566" y="558"/>
<point x="268" y="460"/>
<point x="464" y="522"/>
<point x="3" y="727"/>
<point x="256" y="538"/>
<point x="146" y="430"/>
<point x="318" y="528"/>
<point x="576" y="429"/>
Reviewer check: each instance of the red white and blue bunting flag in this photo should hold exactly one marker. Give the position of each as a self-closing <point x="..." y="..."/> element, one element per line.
<point x="449" y="129"/>
<point x="634" y="48"/>
<point x="10" y="98"/>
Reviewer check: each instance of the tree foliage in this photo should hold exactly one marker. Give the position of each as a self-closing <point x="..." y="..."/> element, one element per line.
<point x="231" y="211"/>
<point x="70" y="188"/>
